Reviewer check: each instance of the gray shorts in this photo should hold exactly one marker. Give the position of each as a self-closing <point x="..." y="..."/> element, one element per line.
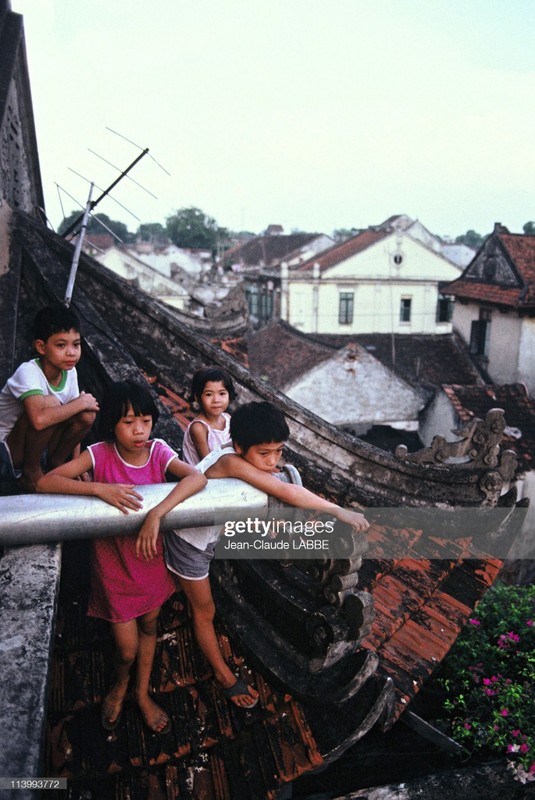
<point x="7" y="470"/>
<point x="185" y="560"/>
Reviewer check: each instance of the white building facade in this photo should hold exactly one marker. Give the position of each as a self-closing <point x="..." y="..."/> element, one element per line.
<point x="495" y="307"/>
<point x="377" y="282"/>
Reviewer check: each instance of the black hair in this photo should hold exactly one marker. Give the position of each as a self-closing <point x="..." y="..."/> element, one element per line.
<point x="205" y="374"/>
<point x="53" y="319"/>
<point x="117" y="399"/>
<point x="258" y="423"/>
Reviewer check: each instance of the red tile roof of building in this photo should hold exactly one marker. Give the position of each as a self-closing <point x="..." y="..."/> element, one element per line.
<point x="341" y="252"/>
<point x="520" y="251"/>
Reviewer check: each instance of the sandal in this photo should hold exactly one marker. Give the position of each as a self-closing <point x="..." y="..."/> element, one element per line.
<point x="107" y="723"/>
<point x="240" y="687"/>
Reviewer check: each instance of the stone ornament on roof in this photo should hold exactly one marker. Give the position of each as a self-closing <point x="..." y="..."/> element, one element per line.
<point x="480" y="446"/>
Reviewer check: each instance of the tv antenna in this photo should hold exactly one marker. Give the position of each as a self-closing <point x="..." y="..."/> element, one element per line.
<point x="106" y="192"/>
<point x="92" y="204"/>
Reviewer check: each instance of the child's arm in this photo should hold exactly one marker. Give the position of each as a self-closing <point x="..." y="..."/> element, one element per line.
<point x="191" y="482"/>
<point x="233" y="466"/>
<point x="199" y="437"/>
<point x="42" y="413"/>
<point x="62" y="480"/>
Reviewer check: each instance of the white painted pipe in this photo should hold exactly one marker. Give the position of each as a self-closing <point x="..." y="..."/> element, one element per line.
<point x="39" y="518"/>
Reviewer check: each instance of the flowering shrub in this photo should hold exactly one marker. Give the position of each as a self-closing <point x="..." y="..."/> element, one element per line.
<point x="489" y="679"/>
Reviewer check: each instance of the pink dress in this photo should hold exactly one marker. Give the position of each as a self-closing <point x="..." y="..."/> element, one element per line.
<point x="124" y="586"/>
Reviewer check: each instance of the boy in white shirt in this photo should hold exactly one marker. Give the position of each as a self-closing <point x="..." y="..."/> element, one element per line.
<point x="43" y="415"/>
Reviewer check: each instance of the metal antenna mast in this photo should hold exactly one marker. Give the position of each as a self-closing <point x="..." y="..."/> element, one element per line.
<point x="78" y="248"/>
<point x="95" y="203"/>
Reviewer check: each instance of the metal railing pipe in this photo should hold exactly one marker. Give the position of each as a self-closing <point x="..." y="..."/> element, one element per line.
<point x="39" y="518"/>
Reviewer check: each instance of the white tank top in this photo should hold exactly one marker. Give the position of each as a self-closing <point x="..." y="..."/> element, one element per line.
<point x="216" y="438"/>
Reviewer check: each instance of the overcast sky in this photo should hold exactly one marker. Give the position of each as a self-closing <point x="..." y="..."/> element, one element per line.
<point x="314" y="114"/>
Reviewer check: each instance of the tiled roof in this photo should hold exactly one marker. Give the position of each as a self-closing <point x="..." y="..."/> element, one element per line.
<point x="236" y="347"/>
<point x="520" y="250"/>
<point x="102" y="241"/>
<point x="341" y="252"/>
<point x="424" y="361"/>
<point x="223" y="754"/>
<point x="519" y="407"/>
<point x="267" y="249"/>
<point x="296" y="354"/>
<point x="484" y="292"/>
<point x="213" y="750"/>
<point x="421" y="603"/>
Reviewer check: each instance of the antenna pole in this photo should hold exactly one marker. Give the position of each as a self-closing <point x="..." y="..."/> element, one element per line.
<point x="107" y="191"/>
<point x="77" y="251"/>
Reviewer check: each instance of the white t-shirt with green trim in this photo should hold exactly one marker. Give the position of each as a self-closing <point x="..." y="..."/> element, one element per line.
<point x="29" y="379"/>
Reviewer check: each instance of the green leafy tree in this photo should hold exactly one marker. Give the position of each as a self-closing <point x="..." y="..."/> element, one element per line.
<point x="148" y="231"/>
<point x="471" y="239"/>
<point x="93" y="226"/>
<point x="191" y="227"/>
<point x="342" y="234"/>
<point x="529" y="228"/>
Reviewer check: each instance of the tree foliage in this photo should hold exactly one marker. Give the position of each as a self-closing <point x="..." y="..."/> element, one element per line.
<point x="471" y="239"/>
<point x="342" y="234"/>
<point x="149" y="231"/>
<point x="93" y="226"/>
<point x="191" y="227"/>
<point x="529" y="228"/>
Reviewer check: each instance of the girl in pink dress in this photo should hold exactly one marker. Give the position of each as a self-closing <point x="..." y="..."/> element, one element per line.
<point x="129" y="579"/>
<point x="213" y="391"/>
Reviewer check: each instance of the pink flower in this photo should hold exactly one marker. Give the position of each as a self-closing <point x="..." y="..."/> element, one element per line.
<point x="487" y="681"/>
<point x="467" y="726"/>
<point x="531" y="770"/>
<point x="524" y="748"/>
<point x="515" y="733"/>
<point x="473" y="621"/>
<point x="504" y="712"/>
<point x="490" y="692"/>
<point x="512" y="748"/>
<point x="529" y="622"/>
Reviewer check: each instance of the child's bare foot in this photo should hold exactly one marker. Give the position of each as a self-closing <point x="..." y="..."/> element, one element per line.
<point x="112" y="707"/>
<point x="154" y="717"/>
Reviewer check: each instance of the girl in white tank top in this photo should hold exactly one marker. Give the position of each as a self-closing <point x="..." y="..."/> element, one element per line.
<point x="212" y="389"/>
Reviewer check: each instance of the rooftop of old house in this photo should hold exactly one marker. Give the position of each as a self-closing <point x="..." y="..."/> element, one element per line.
<point x="268" y="249"/>
<point x="423" y="361"/>
<point x="421" y="595"/>
<point x="502" y="273"/>
<point x="373" y="644"/>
